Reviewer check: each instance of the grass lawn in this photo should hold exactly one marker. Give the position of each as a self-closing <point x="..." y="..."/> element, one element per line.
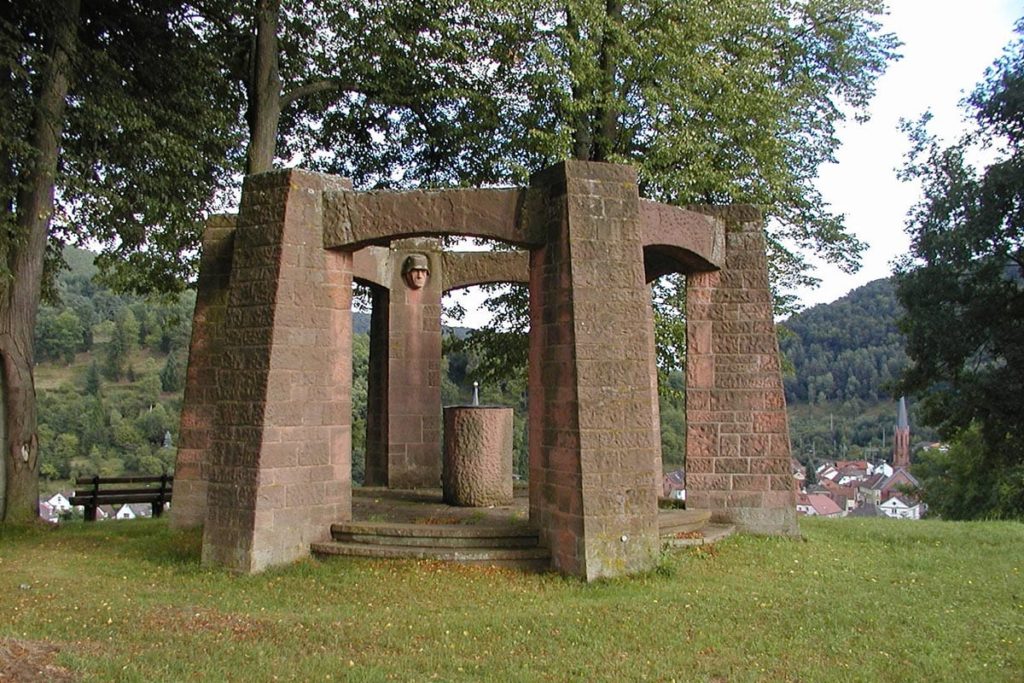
<point x="857" y="600"/>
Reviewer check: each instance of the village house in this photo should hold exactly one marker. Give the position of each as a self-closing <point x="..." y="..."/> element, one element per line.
<point x="673" y="485"/>
<point x="901" y="507"/>
<point x="817" y="505"/>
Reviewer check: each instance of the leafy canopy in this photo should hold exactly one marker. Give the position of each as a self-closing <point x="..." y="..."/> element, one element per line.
<point x="725" y="102"/>
<point x="962" y="286"/>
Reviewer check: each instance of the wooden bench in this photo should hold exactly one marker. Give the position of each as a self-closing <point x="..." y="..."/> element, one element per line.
<point x="122" y="490"/>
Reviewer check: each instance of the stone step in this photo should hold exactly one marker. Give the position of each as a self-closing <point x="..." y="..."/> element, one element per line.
<point x="671" y="522"/>
<point x="435" y="535"/>
<point x="527" y="559"/>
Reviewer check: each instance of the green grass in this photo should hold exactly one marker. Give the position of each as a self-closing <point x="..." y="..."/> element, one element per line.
<point x="857" y="600"/>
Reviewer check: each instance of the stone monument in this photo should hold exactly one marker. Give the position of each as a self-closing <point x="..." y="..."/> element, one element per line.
<point x="265" y="452"/>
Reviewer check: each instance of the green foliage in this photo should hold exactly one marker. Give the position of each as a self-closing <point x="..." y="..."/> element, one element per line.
<point x="360" y="372"/>
<point x="146" y="134"/>
<point x="59" y="335"/>
<point x="92" y="380"/>
<point x="963" y="287"/>
<point x="115" y="426"/>
<point x="849" y="351"/>
<point x="172" y="377"/>
<point x="958" y="481"/>
<point x="123" y="342"/>
<point x="713" y="103"/>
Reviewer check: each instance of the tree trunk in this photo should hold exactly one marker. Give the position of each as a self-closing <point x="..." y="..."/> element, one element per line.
<point x="19" y="302"/>
<point x="264" y="107"/>
<point x="581" y="130"/>
<point x="596" y="127"/>
<point x="606" y="119"/>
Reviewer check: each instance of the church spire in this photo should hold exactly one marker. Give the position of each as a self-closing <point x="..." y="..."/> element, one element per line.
<point x="901" y="437"/>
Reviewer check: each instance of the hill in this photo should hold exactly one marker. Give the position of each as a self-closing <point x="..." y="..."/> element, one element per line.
<point x="843" y="358"/>
<point x="848" y="350"/>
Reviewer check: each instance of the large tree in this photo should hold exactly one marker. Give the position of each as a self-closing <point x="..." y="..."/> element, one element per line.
<point x="110" y="132"/>
<point x="962" y="286"/>
<point x="733" y="101"/>
<point x="725" y="102"/>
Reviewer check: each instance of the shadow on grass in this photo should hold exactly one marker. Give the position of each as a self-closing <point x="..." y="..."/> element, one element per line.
<point x="143" y="540"/>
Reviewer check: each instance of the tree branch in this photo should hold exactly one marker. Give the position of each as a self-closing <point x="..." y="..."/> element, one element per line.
<point x="316" y="87"/>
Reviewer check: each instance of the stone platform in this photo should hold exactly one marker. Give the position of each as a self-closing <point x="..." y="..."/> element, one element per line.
<point x="417" y="524"/>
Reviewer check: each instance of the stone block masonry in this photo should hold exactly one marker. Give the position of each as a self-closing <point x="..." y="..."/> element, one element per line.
<point x="737" y="434"/>
<point x="280" y="467"/>
<point x="596" y="506"/>
<point x="199" y="410"/>
<point x="265" y="462"/>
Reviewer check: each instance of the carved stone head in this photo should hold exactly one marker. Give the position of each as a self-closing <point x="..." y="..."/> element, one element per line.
<point x="416" y="271"/>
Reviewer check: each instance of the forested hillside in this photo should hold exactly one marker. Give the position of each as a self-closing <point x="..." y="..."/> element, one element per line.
<point x="109" y="375"/>
<point x="844" y="358"/>
<point x="849" y="350"/>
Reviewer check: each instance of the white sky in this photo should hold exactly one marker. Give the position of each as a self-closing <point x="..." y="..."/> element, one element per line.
<point x="947" y="45"/>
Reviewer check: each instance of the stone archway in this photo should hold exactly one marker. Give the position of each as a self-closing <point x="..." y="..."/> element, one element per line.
<point x="276" y="455"/>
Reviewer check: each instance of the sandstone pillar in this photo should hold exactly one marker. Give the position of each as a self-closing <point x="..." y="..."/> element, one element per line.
<point x="592" y="490"/>
<point x="376" y="470"/>
<point x="414" y="370"/>
<point x="737" y="435"/>
<point x="199" y="408"/>
<point x="281" y="460"/>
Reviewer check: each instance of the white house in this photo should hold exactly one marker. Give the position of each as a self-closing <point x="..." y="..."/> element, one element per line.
<point x="883" y="468"/>
<point x="899" y="507"/>
<point x="59" y="502"/>
<point x="125" y="512"/>
<point x="47" y="512"/>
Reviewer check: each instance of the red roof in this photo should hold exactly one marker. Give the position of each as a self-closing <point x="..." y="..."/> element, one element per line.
<point x="822" y="504"/>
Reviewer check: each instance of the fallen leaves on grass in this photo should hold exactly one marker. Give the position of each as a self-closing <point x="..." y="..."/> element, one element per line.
<point x="220" y="624"/>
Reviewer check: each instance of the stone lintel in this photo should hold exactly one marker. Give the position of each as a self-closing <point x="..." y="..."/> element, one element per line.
<point x="355" y="219"/>
<point x="372" y="266"/>
<point x="678" y="240"/>
<point x="470" y="268"/>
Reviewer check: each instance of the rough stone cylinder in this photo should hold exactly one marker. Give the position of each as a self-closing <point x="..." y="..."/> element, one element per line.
<point x="477" y="456"/>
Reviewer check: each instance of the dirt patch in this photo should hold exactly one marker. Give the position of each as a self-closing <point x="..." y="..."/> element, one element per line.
<point x="28" y="661"/>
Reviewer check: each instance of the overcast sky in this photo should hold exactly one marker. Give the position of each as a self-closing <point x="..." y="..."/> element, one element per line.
<point x="948" y="44"/>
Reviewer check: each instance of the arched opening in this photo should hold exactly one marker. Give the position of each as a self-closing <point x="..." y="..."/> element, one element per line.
<point x="407" y="364"/>
<point x="666" y="268"/>
<point x="491" y="351"/>
<point x="668" y="304"/>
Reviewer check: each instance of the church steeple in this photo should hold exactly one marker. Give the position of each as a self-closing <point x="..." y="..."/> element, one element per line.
<point x="901" y="438"/>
